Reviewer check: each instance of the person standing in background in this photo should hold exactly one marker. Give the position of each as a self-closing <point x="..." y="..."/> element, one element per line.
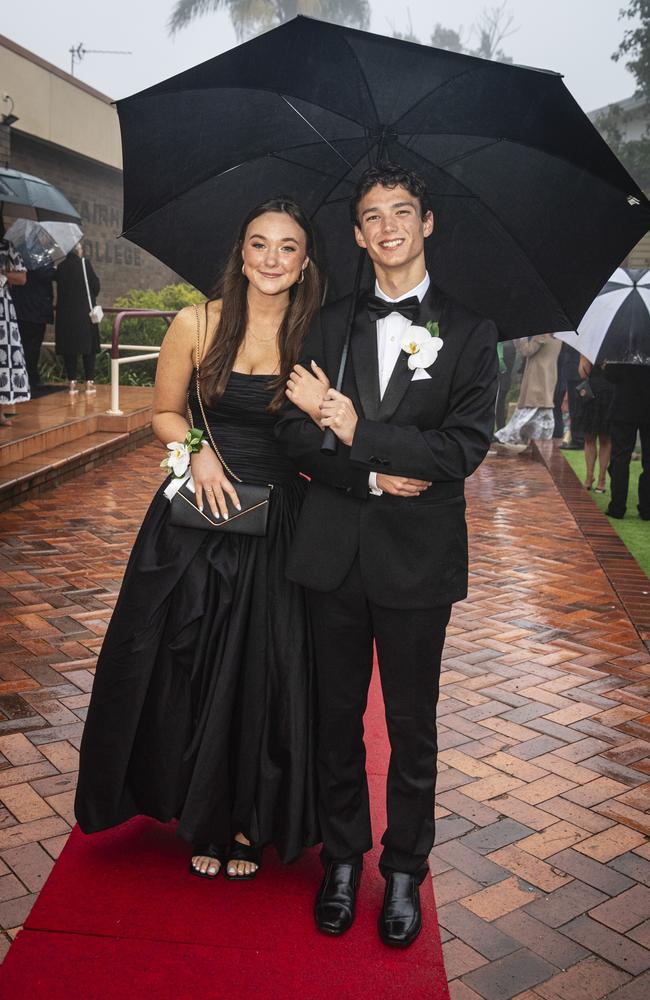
<point x="630" y="414"/>
<point x="595" y="419"/>
<point x="14" y="384"/>
<point x="533" y="417"/>
<point x="75" y="334"/>
<point x="568" y="379"/>
<point x="34" y="305"/>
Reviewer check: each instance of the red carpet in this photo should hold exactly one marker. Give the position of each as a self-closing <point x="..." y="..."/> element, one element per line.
<point x="121" y="917"/>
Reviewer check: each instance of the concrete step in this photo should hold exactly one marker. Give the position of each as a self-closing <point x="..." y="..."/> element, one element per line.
<point x="28" y="478"/>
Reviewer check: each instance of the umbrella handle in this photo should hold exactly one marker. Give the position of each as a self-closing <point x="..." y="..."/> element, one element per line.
<point x="330" y="441"/>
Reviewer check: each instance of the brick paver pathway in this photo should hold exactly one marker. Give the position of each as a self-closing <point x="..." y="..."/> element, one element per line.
<point x="542" y="864"/>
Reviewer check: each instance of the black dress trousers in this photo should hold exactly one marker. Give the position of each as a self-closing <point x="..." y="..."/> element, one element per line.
<point x="623" y="441"/>
<point x="409" y="648"/>
<point x="32" y="335"/>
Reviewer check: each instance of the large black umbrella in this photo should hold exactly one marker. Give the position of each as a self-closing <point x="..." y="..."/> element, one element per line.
<point x="533" y="211"/>
<point x="27" y="197"/>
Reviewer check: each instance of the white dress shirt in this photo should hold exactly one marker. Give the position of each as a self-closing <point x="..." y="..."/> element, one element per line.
<point x="390" y="332"/>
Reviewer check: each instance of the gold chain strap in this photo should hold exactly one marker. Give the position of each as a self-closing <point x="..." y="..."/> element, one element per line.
<point x="198" y="393"/>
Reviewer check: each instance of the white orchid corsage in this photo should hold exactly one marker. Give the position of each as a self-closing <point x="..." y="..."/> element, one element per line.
<point x="180" y="452"/>
<point x="422" y="344"/>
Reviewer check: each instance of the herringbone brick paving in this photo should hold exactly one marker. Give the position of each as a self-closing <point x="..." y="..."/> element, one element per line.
<point x="542" y="864"/>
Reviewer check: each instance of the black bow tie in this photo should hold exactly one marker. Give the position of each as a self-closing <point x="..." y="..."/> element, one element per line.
<point x="381" y="308"/>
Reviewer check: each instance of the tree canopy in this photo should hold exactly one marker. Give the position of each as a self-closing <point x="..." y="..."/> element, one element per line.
<point x="252" y="16"/>
<point x="635" y="48"/>
<point x="489" y="31"/>
<point x="636" y="44"/>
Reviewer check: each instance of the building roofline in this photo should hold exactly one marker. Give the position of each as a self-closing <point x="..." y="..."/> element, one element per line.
<point x="57" y="147"/>
<point x="634" y="103"/>
<point x="51" y="68"/>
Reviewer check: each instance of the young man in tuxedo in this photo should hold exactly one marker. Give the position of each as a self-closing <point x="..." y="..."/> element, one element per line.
<point x="381" y="543"/>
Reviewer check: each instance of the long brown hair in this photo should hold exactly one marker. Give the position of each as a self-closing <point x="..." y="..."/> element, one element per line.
<point x="232" y="289"/>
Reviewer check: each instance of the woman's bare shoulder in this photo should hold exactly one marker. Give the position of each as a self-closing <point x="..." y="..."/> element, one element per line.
<point x="181" y="335"/>
<point x="192" y="319"/>
<point x="214" y="307"/>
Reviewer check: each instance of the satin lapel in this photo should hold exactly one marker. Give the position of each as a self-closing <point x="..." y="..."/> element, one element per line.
<point x="363" y="348"/>
<point x="400" y="379"/>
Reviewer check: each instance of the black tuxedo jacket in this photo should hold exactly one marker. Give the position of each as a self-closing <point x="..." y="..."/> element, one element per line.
<point x="412" y="551"/>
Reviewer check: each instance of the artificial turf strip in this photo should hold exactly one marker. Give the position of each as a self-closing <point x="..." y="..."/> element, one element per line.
<point x="634" y="533"/>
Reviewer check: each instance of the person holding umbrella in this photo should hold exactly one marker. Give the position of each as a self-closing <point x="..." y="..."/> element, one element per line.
<point x="381" y="542"/>
<point x="41" y="245"/>
<point x="14" y="384"/>
<point x="595" y="393"/>
<point x="75" y="331"/>
<point x="614" y="336"/>
<point x="509" y="155"/>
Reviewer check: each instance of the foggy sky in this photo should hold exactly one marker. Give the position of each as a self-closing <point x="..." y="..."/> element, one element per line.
<point x="574" y="37"/>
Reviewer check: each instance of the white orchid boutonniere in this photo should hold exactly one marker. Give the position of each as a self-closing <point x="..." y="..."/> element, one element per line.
<point x="180" y="452"/>
<point x="422" y="344"/>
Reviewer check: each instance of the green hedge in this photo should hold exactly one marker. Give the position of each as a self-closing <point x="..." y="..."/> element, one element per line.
<point x="143" y="331"/>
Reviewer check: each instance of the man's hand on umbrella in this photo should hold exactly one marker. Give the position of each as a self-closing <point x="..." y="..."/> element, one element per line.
<point x="338" y="412"/>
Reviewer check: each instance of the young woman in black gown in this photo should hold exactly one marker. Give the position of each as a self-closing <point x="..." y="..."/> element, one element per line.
<point x="202" y="705"/>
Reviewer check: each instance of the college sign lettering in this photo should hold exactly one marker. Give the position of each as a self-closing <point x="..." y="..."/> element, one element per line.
<point x="103" y="247"/>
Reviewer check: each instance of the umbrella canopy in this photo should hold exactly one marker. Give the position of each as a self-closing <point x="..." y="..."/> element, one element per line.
<point x="42" y="243"/>
<point x="532" y="208"/>
<point x="616" y="327"/>
<point x="25" y="196"/>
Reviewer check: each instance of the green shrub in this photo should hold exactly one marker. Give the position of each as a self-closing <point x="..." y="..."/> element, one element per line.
<point x="143" y="331"/>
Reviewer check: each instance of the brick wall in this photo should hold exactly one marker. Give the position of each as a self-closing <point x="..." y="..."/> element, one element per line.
<point x="96" y="192"/>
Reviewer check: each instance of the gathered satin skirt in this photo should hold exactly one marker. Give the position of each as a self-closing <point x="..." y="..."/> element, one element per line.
<point x="203" y="705"/>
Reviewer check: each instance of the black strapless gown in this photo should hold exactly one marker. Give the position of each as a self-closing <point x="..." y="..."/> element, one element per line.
<point x="203" y="705"/>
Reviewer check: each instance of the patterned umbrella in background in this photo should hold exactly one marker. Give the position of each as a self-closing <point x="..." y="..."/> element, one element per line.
<point x="616" y="327"/>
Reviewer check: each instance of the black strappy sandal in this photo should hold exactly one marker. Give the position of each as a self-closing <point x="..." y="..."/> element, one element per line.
<point x="243" y="852"/>
<point x="215" y="851"/>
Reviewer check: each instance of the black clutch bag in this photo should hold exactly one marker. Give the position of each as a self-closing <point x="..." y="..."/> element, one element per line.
<point x="584" y="390"/>
<point x="250" y="520"/>
<point x="253" y="517"/>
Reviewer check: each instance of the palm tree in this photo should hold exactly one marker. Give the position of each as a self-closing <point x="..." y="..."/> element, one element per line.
<point x="252" y="16"/>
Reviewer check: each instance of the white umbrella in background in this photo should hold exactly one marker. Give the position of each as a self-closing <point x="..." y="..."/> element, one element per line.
<point x="616" y="327"/>
<point x="43" y="243"/>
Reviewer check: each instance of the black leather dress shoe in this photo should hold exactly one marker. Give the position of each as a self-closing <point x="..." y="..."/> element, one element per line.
<point x="400" y="921"/>
<point x="337" y="896"/>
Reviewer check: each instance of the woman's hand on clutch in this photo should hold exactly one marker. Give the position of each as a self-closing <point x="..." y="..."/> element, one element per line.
<point x="306" y="390"/>
<point x="212" y="484"/>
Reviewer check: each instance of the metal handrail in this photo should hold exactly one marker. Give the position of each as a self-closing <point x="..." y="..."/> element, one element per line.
<point x="119" y="315"/>
<point x="115" y="347"/>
